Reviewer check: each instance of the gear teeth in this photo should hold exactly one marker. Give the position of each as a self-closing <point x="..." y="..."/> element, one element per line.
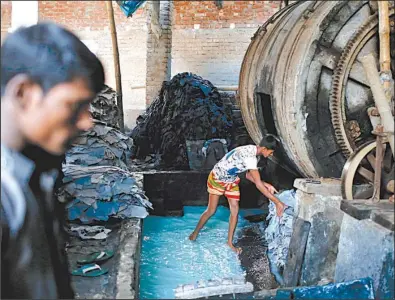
<point x="335" y="100"/>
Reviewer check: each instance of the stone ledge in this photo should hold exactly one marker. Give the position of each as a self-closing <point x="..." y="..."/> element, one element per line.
<point x="385" y="219"/>
<point x="381" y="213"/>
<point x="213" y="288"/>
<point x="307" y="204"/>
<point x="127" y="277"/>
<point x="321" y="186"/>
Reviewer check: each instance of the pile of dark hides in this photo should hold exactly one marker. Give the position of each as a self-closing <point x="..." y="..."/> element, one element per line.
<point x="187" y="108"/>
<point x="97" y="184"/>
<point x="104" y="107"/>
<point x="100" y="146"/>
<point x="98" y="193"/>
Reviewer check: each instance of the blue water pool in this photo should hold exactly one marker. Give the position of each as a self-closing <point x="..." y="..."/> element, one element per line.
<point x="169" y="258"/>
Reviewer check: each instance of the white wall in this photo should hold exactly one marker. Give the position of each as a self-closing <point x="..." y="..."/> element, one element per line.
<point x="23" y="13"/>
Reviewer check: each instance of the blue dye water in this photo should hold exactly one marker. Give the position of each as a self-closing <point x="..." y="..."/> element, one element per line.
<point x="169" y="258"/>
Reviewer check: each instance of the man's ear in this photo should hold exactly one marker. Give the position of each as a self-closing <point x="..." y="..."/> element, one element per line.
<point x="23" y="91"/>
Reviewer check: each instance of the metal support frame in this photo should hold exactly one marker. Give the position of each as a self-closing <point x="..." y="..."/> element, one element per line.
<point x="378" y="164"/>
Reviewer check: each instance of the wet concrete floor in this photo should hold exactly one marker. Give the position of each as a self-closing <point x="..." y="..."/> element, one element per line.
<point x="108" y="286"/>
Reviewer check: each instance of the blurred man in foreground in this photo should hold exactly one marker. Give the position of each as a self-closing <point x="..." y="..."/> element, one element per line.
<point x="48" y="79"/>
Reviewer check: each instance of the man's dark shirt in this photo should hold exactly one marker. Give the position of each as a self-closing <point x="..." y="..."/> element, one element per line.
<point x="33" y="262"/>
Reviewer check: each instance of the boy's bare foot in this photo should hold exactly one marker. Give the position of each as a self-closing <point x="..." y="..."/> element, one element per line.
<point x="193" y="236"/>
<point x="237" y="250"/>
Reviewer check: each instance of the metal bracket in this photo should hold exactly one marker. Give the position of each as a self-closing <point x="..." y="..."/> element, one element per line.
<point x="380" y="150"/>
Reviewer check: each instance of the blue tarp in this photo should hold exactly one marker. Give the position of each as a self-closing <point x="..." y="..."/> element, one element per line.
<point x="129" y="7"/>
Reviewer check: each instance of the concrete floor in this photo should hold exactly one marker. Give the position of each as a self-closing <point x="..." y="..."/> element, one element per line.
<point x="97" y="287"/>
<point x="119" y="282"/>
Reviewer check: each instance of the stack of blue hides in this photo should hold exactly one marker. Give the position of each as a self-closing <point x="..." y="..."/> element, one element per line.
<point x="97" y="183"/>
<point x="101" y="192"/>
<point x="101" y="146"/>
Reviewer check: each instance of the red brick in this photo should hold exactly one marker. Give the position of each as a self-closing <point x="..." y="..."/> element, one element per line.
<point x="247" y="12"/>
<point x="6" y="8"/>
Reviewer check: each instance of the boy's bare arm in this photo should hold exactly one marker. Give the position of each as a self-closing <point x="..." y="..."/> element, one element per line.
<point x="256" y="179"/>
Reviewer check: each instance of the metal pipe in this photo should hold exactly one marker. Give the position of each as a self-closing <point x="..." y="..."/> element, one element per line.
<point x="377" y="166"/>
<point x="384" y="34"/>
<point x="387" y="119"/>
<point x="385" y="56"/>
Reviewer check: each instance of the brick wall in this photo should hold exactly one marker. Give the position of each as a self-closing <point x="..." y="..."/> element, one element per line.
<point x="202" y="39"/>
<point x="210" y="41"/>
<point x="5" y="17"/>
<point x="89" y="20"/>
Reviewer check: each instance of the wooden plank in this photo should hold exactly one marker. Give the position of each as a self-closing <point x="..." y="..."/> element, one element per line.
<point x="296" y="252"/>
<point x="117" y="66"/>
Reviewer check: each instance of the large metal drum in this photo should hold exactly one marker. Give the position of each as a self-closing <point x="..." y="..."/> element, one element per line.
<point x="301" y="80"/>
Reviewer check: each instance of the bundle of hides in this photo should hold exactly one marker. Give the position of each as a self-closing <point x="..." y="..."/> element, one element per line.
<point x="104" y="107"/>
<point x="100" y="146"/>
<point x="187" y="108"/>
<point x="102" y="192"/>
<point x="279" y="231"/>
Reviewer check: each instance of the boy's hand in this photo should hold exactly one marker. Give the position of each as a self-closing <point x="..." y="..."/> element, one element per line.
<point x="280" y="208"/>
<point x="270" y="188"/>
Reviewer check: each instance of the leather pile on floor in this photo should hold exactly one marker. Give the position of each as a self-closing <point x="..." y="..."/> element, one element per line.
<point x="187" y="108"/>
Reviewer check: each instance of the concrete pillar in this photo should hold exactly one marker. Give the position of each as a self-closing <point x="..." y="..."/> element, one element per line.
<point x="345" y="241"/>
<point x="319" y="204"/>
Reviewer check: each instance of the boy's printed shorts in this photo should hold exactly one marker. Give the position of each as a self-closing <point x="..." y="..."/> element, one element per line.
<point x="229" y="189"/>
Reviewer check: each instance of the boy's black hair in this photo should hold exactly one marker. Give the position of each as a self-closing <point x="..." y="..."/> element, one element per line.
<point x="269" y="141"/>
<point x="49" y="55"/>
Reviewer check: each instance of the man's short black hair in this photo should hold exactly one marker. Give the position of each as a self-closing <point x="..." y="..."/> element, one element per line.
<point x="49" y="55"/>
